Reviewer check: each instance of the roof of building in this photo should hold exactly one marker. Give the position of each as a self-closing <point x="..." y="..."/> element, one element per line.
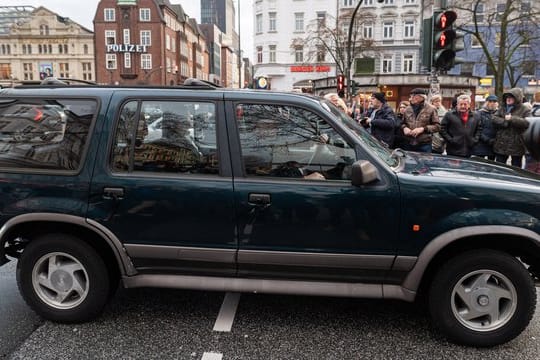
<point x="10" y="15"/>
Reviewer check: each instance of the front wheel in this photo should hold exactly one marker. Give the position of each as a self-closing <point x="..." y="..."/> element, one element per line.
<point x="63" y="279"/>
<point x="482" y="298"/>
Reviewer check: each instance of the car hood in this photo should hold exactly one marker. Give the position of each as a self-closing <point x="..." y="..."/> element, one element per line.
<point x="480" y="169"/>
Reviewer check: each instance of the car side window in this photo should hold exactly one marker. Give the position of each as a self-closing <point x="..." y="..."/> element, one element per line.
<point x="288" y="141"/>
<point x="166" y="136"/>
<point x="45" y="133"/>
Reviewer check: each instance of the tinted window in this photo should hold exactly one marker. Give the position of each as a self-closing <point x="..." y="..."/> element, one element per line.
<point x="45" y="134"/>
<point x="286" y="141"/>
<point x="166" y="136"/>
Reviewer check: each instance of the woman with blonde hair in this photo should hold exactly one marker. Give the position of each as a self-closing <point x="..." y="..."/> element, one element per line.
<point x="337" y="101"/>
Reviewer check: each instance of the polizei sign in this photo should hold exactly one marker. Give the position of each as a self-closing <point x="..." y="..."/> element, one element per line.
<point x="127" y="48"/>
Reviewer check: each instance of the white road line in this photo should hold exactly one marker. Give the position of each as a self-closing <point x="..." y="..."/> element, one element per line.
<point x="227" y="312"/>
<point x="211" y="356"/>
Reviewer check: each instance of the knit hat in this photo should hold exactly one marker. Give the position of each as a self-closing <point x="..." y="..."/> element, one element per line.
<point x="492" y="98"/>
<point x="379" y="96"/>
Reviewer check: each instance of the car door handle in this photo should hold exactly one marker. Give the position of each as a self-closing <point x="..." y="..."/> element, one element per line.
<point x="259" y="199"/>
<point x="113" y="193"/>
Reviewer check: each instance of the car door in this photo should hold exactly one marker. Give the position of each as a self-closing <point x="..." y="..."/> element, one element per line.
<point x="294" y="223"/>
<point x="163" y="187"/>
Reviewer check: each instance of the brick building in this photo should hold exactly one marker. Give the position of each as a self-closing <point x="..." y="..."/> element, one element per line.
<point x="147" y="42"/>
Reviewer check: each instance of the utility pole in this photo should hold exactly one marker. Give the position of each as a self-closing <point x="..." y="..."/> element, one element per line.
<point x="239" y="50"/>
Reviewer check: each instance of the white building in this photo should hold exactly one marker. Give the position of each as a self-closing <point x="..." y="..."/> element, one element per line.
<point x="276" y="24"/>
<point x="393" y="26"/>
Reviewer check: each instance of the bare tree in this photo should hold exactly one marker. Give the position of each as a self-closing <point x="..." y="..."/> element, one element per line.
<point x="329" y="38"/>
<point x="506" y="32"/>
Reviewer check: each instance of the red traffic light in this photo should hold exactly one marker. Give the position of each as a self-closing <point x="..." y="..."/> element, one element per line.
<point x="444" y="39"/>
<point x="340" y="82"/>
<point x="444" y="20"/>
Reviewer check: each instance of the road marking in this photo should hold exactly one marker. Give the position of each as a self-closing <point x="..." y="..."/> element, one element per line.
<point x="212" y="356"/>
<point x="227" y="312"/>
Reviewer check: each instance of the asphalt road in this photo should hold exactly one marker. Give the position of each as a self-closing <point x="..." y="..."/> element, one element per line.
<point x="172" y="324"/>
<point x="17" y="321"/>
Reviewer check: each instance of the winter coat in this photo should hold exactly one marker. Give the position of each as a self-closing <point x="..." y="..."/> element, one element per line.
<point x="460" y="137"/>
<point x="508" y="140"/>
<point x="487" y="137"/>
<point x="427" y="118"/>
<point x="383" y="125"/>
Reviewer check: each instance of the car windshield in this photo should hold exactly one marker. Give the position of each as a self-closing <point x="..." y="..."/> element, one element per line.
<point x="363" y="135"/>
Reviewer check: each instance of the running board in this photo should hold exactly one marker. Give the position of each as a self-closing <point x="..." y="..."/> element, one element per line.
<point x="266" y="286"/>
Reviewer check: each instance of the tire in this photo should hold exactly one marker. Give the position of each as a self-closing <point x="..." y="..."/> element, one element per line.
<point x="63" y="279"/>
<point x="482" y="298"/>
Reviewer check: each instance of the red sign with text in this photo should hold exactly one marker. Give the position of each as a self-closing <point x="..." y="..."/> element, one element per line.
<point x="310" y="68"/>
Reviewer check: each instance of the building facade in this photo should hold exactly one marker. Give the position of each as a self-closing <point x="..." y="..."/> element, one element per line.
<point x="147" y="42"/>
<point x="36" y="43"/>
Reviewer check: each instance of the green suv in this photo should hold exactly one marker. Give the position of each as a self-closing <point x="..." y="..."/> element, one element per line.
<point x="196" y="187"/>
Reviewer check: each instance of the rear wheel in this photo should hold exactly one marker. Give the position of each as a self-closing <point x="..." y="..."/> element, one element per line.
<point x="63" y="279"/>
<point x="482" y="298"/>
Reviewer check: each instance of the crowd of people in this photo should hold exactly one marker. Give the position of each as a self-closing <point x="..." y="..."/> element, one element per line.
<point x="423" y="124"/>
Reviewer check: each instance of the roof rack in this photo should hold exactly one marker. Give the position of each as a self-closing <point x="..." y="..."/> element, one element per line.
<point x="65" y="81"/>
<point x="199" y="82"/>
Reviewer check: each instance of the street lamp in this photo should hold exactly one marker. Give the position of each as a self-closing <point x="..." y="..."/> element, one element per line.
<point x="349" y="55"/>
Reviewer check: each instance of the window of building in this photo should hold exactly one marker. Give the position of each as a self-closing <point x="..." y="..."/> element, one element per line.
<point x="298" y="21"/>
<point x="167" y="42"/>
<point x="408" y="29"/>
<point x="298" y="53"/>
<point x="144" y="14"/>
<point x="501" y="8"/>
<point x="387" y="64"/>
<point x="348" y="3"/>
<point x="388" y="2"/>
<point x="529" y="68"/>
<point x="272" y="53"/>
<point x="146" y="61"/>
<point x="146" y="37"/>
<point x="368" y="30"/>
<point x="127" y="60"/>
<point x="368" y="2"/>
<point x="410" y="2"/>
<point x="110" y="37"/>
<point x="467" y="69"/>
<point x="85" y="49"/>
<point x="28" y="71"/>
<point x="87" y="71"/>
<point x="321" y="19"/>
<point x="64" y="70"/>
<point x="408" y="63"/>
<point x="388" y="30"/>
<point x="127" y="37"/>
<point x="474" y="42"/>
<point x="478" y="9"/>
<point x="5" y="71"/>
<point x="364" y="66"/>
<point x="171" y="137"/>
<point x="259" y="54"/>
<point x="111" y="61"/>
<point x="272" y="21"/>
<point x="284" y="142"/>
<point x="321" y="53"/>
<point x="43" y="29"/>
<point x="259" y="24"/>
<point x="525" y="7"/>
<point x="5" y="49"/>
<point x="109" y="14"/>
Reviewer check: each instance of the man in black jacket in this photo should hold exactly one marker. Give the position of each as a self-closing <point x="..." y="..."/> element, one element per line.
<point x="461" y="128"/>
<point x="381" y="119"/>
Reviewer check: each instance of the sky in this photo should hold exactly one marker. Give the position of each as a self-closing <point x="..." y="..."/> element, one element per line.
<point x="83" y="12"/>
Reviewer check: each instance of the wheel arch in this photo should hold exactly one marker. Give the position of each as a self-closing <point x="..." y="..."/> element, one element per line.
<point x="519" y="242"/>
<point x="17" y="232"/>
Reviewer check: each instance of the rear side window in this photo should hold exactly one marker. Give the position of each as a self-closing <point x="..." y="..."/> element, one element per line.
<point x="45" y="134"/>
<point x="166" y="137"/>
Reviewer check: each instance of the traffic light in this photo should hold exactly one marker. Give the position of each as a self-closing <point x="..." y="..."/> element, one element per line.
<point x="341" y="85"/>
<point x="446" y="40"/>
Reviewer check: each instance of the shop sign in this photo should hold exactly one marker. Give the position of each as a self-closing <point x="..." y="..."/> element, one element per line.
<point x="310" y="68"/>
<point x="127" y="48"/>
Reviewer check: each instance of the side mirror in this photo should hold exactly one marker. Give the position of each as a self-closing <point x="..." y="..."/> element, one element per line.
<point x="363" y="172"/>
